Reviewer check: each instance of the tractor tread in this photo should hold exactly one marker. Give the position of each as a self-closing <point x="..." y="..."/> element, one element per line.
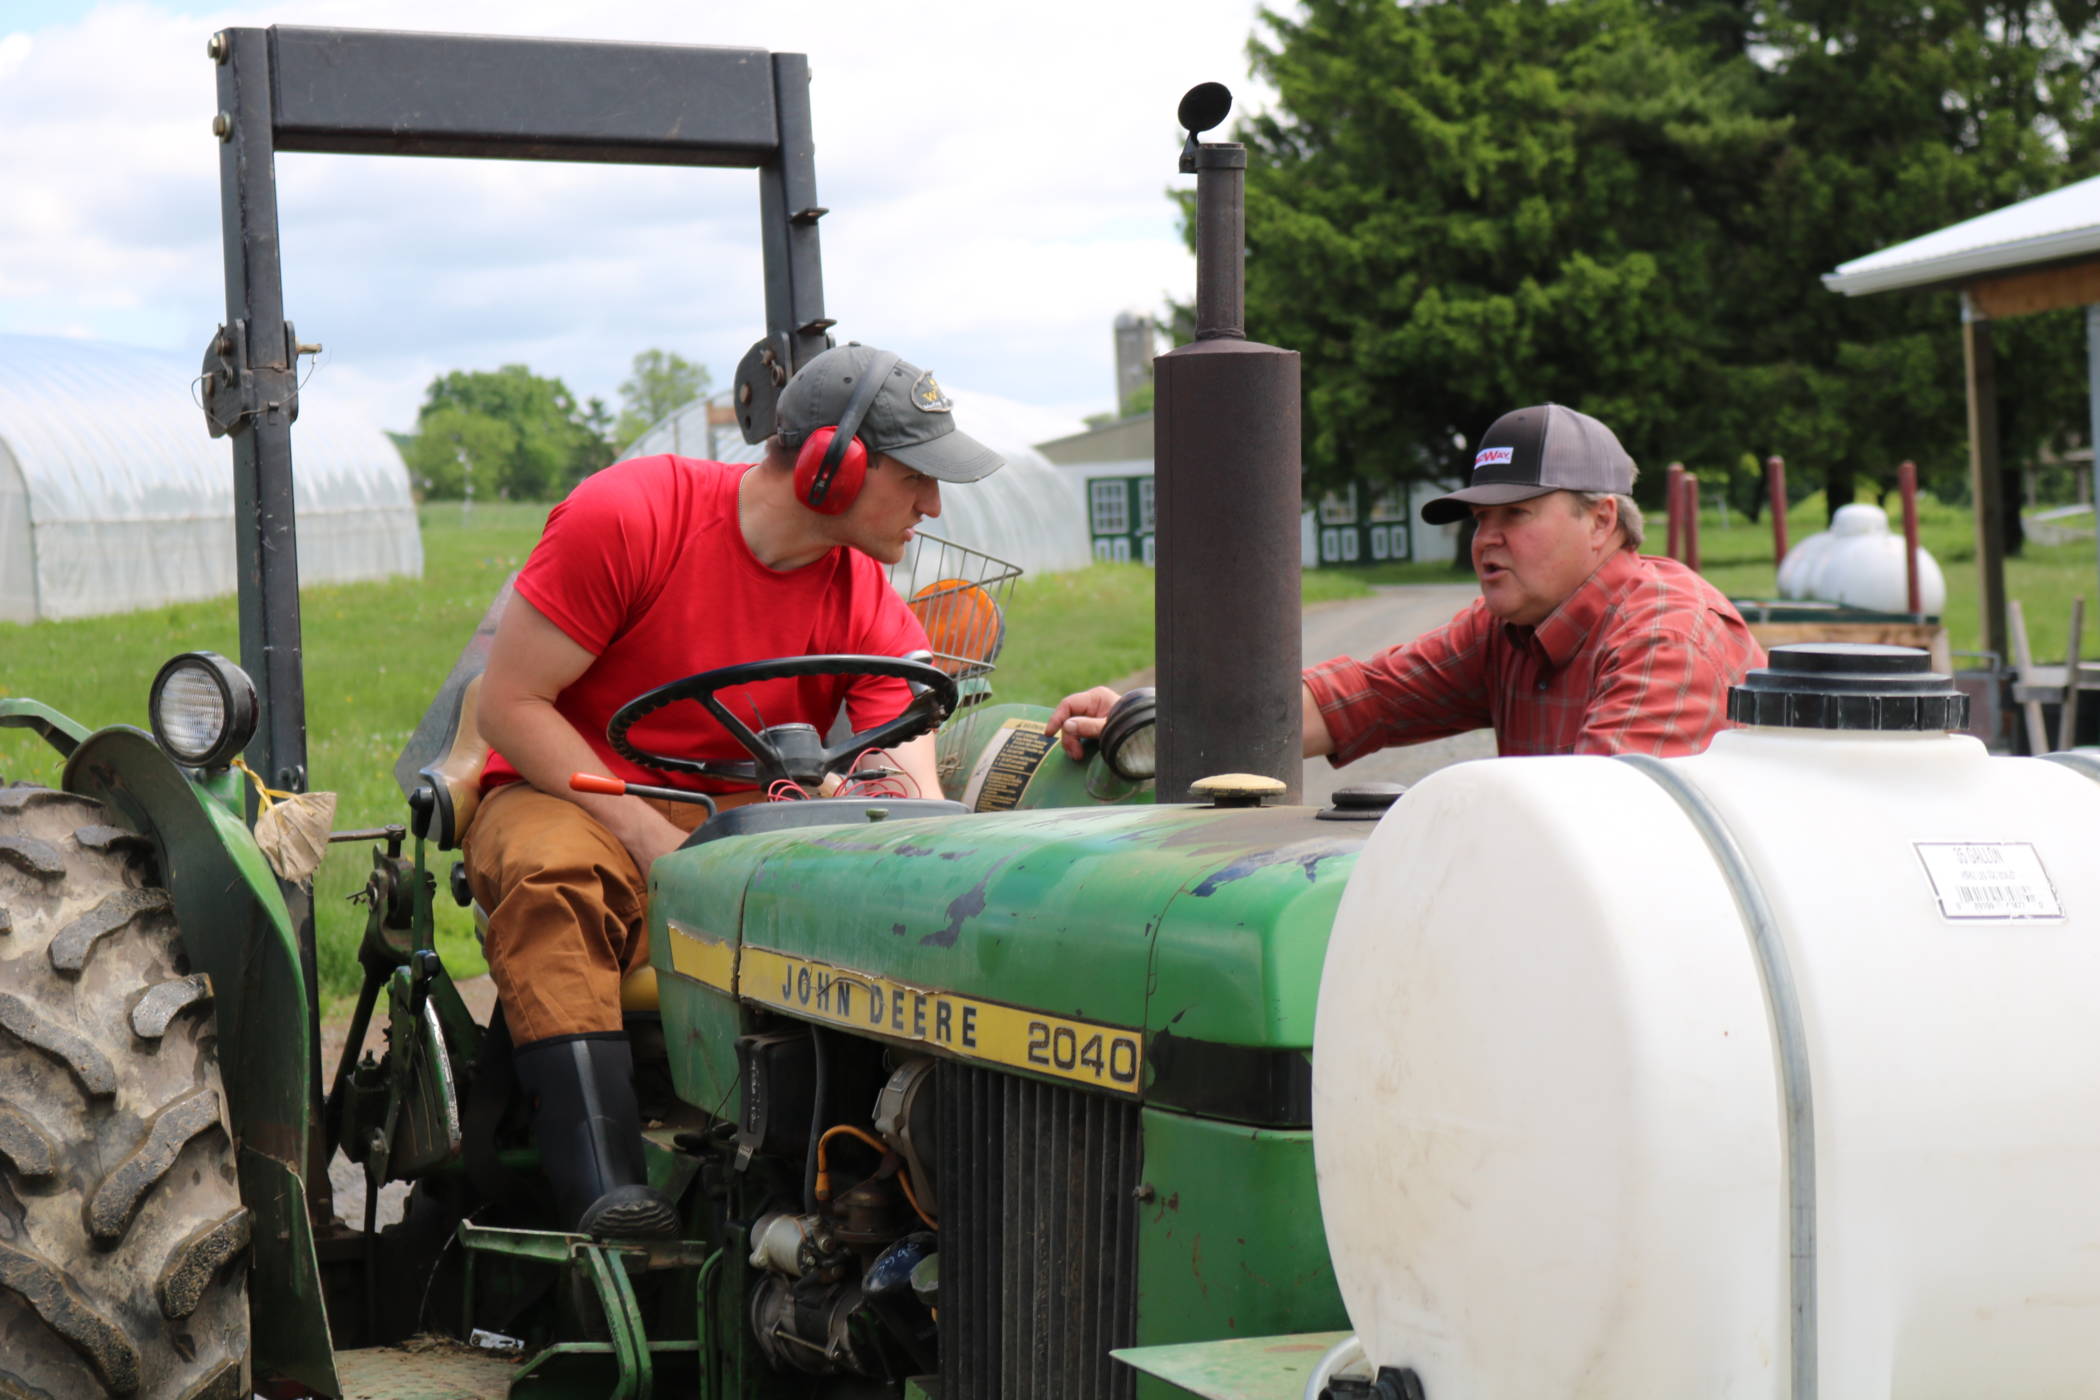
<point x="13" y="1387"/>
<point x="26" y="1145"/>
<point x="117" y="1200"/>
<point x="69" y="950"/>
<point x="45" y="1287"/>
<point x="199" y="1257"/>
<point x="163" y="1003"/>
<point x="113" y="840"/>
<point x="225" y="1385"/>
<point x="32" y="857"/>
<point x="89" y="1065"/>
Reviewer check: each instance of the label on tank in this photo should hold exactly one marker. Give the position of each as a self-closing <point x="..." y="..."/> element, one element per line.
<point x="1007" y="765"/>
<point x="1989" y="880"/>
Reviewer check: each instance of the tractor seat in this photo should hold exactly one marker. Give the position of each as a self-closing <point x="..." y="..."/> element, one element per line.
<point x="638" y="990"/>
<point x="447" y="752"/>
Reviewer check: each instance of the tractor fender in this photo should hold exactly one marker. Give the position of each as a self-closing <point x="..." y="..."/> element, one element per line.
<point x="236" y="930"/>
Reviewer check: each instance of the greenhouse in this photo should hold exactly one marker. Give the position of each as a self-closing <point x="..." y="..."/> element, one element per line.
<point x="113" y="496"/>
<point x="1026" y="513"/>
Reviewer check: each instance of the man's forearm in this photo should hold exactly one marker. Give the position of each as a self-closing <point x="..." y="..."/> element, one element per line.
<point x="545" y="749"/>
<point x="1315" y="740"/>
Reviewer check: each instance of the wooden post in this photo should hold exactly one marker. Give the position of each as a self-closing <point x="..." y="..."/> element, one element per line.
<point x="2067" y="717"/>
<point x="1674" y="511"/>
<point x="1690" y="494"/>
<point x="1775" y="482"/>
<point x="2023" y="671"/>
<point x="1907" y="485"/>
<point x="1984" y="484"/>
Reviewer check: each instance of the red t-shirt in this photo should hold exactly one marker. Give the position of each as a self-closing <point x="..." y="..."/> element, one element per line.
<point x="645" y="567"/>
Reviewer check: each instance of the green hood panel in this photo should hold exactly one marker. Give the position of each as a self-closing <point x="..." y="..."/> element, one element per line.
<point x="1196" y="931"/>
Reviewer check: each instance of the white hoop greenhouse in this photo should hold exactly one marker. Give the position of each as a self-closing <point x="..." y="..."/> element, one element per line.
<point x="1026" y="513"/>
<point x="113" y="496"/>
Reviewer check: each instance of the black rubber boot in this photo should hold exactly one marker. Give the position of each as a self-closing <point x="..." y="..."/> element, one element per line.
<point x="589" y="1133"/>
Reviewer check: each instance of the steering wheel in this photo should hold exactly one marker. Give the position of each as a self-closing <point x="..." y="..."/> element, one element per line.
<point x="792" y="751"/>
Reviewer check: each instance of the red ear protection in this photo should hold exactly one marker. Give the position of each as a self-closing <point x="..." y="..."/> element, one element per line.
<point x="832" y="464"/>
<point x="827" y="481"/>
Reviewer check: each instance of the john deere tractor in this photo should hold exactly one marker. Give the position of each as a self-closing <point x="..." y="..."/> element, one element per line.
<point x="956" y="1095"/>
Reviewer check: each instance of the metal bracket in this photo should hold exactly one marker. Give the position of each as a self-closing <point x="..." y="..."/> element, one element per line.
<point x="236" y="389"/>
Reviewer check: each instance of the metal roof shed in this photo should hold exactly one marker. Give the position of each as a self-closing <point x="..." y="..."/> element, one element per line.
<point x="114" y="497"/>
<point x="2042" y="254"/>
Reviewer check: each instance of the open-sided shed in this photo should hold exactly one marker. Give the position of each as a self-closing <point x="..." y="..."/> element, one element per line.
<point x="2042" y="254"/>
<point x="114" y="497"/>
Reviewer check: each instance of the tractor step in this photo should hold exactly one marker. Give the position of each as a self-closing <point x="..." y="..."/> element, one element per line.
<point x="426" y="1368"/>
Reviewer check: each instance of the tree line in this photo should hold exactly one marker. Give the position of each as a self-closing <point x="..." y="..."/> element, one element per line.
<point x="511" y="434"/>
<point x="1456" y="207"/>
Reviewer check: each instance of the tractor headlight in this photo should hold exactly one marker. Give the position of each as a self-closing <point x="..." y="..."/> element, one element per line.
<point x="1129" y="738"/>
<point x="203" y="709"/>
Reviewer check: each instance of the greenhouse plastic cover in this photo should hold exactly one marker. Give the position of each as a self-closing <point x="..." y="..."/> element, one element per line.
<point x="114" y="497"/>
<point x="1026" y="513"/>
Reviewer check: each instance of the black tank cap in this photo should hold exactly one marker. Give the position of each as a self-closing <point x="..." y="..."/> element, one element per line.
<point x="1361" y="802"/>
<point x="1849" y="685"/>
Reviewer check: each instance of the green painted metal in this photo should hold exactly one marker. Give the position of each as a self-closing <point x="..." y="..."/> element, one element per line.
<point x="1204" y="922"/>
<point x="1230" y="1242"/>
<point x="61" y="732"/>
<point x="1047" y="777"/>
<point x="236" y="929"/>
<point x="1243" y="1368"/>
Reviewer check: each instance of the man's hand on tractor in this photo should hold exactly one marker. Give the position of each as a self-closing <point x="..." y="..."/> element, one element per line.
<point x="1079" y="718"/>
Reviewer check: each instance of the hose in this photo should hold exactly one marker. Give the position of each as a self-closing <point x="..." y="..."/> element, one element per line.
<point x="823" y="1184"/>
<point x="819" y="1088"/>
<point x="1347" y="1352"/>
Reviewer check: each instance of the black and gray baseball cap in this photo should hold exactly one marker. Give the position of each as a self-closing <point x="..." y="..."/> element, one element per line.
<point x="1532" y="451"/>
<point x="911" y="417"/>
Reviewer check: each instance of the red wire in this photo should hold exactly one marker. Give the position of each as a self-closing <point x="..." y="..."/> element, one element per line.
<point x="785" y="790"/>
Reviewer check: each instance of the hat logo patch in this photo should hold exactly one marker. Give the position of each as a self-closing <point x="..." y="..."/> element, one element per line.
<point x="1494" y="457"/>
<point x="927" y="397"/>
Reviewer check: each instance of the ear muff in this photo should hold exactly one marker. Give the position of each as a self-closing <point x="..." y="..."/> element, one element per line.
<point x="829" y="476"/>
<point x="833" y="463"/>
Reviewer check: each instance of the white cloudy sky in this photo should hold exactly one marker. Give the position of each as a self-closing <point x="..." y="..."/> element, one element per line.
<point x="996" y="173"/>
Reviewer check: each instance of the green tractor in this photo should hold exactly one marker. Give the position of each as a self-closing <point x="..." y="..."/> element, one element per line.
<point x="956" y="1096"/>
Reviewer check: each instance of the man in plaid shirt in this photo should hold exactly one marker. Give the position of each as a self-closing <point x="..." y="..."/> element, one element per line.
<point x="1577" y="644"/>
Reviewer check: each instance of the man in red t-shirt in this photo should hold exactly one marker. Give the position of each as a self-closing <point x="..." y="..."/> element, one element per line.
<point x="651" y="570"/>
<point x="1578" y="642"/>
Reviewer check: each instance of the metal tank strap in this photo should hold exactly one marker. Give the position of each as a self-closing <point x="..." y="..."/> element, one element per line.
<point x="1783" y="1004"/>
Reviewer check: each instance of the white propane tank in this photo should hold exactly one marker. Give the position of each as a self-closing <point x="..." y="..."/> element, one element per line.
<point x="1858" y="562"/>
<point x="1770" y="1072"/>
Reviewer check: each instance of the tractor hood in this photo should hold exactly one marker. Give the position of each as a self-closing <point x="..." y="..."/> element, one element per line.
<point x="1167" y="954"/>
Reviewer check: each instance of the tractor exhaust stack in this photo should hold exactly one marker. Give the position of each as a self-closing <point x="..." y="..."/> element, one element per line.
<point x="1225" y="451"/>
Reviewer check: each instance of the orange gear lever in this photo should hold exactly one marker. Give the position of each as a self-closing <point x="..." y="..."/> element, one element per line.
<point x="613" y="787"/>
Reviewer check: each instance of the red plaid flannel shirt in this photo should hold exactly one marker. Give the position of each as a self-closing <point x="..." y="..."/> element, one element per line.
<point x="1637" y="660"/>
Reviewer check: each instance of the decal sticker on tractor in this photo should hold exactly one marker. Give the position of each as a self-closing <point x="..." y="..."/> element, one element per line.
<point x="1103" y="1057"/>
<point x="1007" y="766"/>
<point x="702" y="956"/>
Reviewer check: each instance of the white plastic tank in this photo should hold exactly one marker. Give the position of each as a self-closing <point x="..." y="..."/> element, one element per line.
<point x="1858" y="562"/>
<point x="1770" y="1072"/>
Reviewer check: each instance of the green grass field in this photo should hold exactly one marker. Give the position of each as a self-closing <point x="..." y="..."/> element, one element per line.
<point x="376" y="652"/>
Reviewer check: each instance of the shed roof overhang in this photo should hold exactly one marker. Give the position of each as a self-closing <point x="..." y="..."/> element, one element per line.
<point x="2047" y="233"/>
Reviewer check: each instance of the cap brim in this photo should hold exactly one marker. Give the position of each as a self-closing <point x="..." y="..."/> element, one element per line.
<point x="1459" y="504"/>
<point x="952" y="456"/>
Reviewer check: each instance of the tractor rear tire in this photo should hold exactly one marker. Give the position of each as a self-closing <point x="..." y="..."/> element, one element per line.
<point x="123" y="1242"/>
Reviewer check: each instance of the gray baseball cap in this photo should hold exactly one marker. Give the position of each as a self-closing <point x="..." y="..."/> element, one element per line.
<point x="911" y="418"/>
<point x="1532" y="451"/>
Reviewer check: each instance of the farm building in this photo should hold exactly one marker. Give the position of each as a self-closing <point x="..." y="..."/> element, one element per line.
<point x="1027" y="513"/>
<point x="114" y="497"/>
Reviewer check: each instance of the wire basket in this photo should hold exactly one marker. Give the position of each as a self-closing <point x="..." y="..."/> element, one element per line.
<point x="959" y="596"/>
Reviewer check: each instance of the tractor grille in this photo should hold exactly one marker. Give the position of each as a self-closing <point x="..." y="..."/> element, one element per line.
<point x="1038" y="1217"/>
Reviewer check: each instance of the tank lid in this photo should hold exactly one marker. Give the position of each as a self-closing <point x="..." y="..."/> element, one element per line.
<point x="1849" y="685"/>
<point x="1236" y="789"/>
<point x="1361" y="802"/>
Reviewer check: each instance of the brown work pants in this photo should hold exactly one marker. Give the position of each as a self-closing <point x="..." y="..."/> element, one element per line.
<point x="567" y="907"/>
